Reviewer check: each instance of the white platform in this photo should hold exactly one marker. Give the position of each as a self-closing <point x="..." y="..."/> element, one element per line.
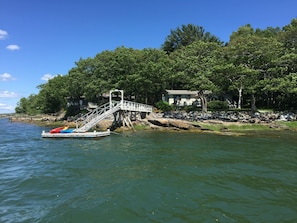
<point x="75" y="134"/>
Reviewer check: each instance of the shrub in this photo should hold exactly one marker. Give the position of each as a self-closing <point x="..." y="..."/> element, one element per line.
<point x="190" y="108"/>
<point x="163" y="105"/>
<point x="217" y="105"/>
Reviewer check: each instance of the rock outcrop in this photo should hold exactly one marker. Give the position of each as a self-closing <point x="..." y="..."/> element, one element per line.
<point x="173" y="123"/>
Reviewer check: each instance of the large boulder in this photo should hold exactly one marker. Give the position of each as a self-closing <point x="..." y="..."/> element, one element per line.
<point x="159" y="122"/>
<point x="184" y="125"/>
<point x="173" y="123"/>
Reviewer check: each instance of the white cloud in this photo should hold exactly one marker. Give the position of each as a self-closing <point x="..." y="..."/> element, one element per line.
<point x="3" y="34"/>
<point x="8" y="94"/>
<point x="13" y="47"/>
<point x="47" y="77"/>
<point x="6" y="77"/>
<point x="4" y="108"/>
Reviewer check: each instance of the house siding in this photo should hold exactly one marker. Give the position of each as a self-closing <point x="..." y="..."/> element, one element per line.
<point x="182" y="97"/>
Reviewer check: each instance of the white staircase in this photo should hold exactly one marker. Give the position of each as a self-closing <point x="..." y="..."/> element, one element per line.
<point x="92" y="118"/>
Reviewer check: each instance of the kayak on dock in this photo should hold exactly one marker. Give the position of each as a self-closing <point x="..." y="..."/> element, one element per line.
<point x="56" y="130"/>
<point x="74" y="134"/>
<point x="66" y="130"/>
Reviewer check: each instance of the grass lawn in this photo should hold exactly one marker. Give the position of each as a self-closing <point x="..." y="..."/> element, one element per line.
<point x="239" y="127"/>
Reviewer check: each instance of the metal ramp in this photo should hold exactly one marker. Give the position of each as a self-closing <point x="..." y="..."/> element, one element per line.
<point x="92" y="118"/>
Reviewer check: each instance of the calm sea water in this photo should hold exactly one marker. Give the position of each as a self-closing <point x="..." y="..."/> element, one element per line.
<point x="147" y="177"/>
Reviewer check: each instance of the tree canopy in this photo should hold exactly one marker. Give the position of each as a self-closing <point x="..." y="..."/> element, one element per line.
<point x="185" y="35"/>
<point x="258" y="68"/>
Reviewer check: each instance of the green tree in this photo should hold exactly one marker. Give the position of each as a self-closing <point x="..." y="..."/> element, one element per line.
<point x="268" y="32"/>
<point x="185" y="35"/>
<point x="103" y="78"/>
<point x="282" y="82"/>
<point x="22" y="105"/>
<point x="288" y="36"/>
<point x="237" y="77"/>
<point x="194" y="64"/>
<point x="258" y="63"/>
<point x="78" y="78"/>
<point x="251" y="54"/>
<point x="30" y="105"/>
<point x="152" y="74"/>
<point x="125" y="65"/>
<point x="52" y="95"/>
<point x="141" y="73"/>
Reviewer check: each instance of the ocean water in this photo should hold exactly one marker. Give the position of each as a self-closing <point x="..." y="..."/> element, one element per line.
<point x="147" y="177"/>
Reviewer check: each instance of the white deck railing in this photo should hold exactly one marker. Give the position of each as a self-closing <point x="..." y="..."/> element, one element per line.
<point x="134" y="106"/>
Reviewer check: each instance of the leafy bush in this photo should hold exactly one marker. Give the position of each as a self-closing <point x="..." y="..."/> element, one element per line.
<point x="163" y="105"/>
<point x="217" y="105"/>
<point x="190" y="108"/>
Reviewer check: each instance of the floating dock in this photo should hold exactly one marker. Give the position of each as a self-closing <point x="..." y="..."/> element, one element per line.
<point x="120" y="110"/>
<point x="93" y="134"/>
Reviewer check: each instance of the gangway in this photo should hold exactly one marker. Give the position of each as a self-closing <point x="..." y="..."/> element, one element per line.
<point x="92" y="118"/>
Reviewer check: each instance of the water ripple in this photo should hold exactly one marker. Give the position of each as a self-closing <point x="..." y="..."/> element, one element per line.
<point x="147" y="177"/>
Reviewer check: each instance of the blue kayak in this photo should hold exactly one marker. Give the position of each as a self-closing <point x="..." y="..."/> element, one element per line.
<point x="67" y="131"/>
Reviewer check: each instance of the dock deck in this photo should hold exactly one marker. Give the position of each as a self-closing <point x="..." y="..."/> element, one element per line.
<point x="93" y="117"/>
<point x="93" y="134"/>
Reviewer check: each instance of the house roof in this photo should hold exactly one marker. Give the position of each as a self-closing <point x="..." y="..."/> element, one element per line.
<point x="181" y="92"/>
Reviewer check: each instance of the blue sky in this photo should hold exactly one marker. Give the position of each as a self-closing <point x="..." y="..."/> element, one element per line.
<point x="42" y="38"/>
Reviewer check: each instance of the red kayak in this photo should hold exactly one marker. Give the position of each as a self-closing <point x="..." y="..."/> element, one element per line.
<point x="57" y="130"/>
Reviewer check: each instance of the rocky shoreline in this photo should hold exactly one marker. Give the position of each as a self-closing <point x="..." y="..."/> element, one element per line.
<point x="182" y="120"/>
<point x="233" y="116"/>
<point x="179" y="120"/>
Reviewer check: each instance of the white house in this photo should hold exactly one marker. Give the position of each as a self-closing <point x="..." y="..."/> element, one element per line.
<point x="182" y="97"/>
